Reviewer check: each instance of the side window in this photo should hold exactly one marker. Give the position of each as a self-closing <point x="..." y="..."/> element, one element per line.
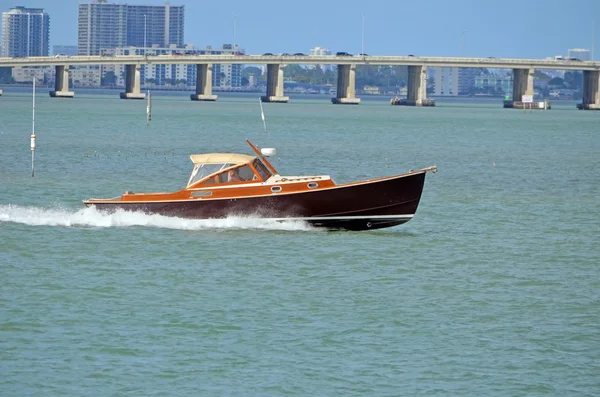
<point x="262" y="170"/>
<point x="223" y="177"/>
<point x="245" y="173"/>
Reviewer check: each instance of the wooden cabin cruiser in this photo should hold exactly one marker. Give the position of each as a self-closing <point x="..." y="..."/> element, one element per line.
<point x="228" y="184"/>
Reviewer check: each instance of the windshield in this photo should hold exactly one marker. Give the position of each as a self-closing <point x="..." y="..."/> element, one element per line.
<point x="203" y="170"/>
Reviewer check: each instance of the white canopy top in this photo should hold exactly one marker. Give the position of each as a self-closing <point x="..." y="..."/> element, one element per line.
<point x="221" y="158"/>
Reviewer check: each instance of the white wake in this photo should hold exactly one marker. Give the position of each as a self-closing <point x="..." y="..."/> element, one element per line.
<point x="91" y="217"/>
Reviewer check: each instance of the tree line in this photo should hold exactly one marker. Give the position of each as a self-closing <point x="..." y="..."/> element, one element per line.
<point x="366" y="75"/>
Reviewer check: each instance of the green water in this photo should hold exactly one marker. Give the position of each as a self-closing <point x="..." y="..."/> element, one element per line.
<point x="492" y="289"/>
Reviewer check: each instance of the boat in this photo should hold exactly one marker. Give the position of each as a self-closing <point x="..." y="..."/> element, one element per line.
<point x="231" y="184"/>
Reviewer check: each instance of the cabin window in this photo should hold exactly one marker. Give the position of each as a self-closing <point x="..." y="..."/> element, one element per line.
<point x="203" y="170"/>
<point x="275" y="189"/>
<point x="313" y="185"/>
<point x="240" y="174"/>
<point x="261" y="169"/>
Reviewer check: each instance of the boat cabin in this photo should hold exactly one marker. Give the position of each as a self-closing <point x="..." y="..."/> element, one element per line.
<point x="226" y="168"/>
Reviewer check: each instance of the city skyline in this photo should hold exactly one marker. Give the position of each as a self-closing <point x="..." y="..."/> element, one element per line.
<point x="463" y="27"/>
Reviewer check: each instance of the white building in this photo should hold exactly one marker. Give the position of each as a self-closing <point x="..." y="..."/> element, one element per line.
<point x="445" y="81"/>
<point x="453" y="81"/>
<point x="85" y="76"/>
<point x="42" y="74"/>
<point x="225" y="76"/>
<point x="79" y="76"/>
<point x="580" y="53"/>
<point x="321" y="51"/>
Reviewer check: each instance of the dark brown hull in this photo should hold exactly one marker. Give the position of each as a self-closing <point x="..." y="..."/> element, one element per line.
<point x="361" y="206"/>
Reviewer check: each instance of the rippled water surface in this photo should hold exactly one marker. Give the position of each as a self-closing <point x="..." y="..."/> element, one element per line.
<point x="492" y="289"/>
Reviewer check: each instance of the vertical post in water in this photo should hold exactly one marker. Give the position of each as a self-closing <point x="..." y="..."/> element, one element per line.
<point x="149" y="109"/>
<point x="262" y="114"/>
<point x="33" y="133"/>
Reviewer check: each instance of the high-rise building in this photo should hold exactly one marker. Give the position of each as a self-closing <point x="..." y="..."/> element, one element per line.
<point x="25" y="32"/>
<point x="148" y="25"/>
<point x="103" y="25"/>
<point x="445" y="81"/>
<point x="452" y="81"/>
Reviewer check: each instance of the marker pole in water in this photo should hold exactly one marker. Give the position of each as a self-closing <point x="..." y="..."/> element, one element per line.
<point x="262" y="114"/>
<point x="33" y="133"/>
<point x="149" y="109"/>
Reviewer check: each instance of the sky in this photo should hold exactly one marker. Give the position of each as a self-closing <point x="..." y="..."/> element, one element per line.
<point x="474" y="28"/>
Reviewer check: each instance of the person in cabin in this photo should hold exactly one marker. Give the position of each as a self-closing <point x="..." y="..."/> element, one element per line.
<point x="233" y="176"/>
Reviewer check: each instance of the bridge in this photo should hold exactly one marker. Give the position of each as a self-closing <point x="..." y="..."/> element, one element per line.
<point x="523" y="72"/>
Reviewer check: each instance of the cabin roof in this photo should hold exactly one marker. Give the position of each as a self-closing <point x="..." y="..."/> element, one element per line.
<point x="221" y="158"/>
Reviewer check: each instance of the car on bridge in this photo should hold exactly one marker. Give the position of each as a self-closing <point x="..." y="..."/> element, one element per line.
<point x="343" y="54"/>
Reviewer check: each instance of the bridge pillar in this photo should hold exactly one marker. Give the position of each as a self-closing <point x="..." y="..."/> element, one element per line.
<point x="591" y="91"/>
<point x="346" y="86"/>
<point x="275" y="84"/>
<point x="416" y="88"/>
<point x="61" y="83"/>
<point x="203" y="83"/>
<point x="132" y="83"/>
<point x="522" y="85"/>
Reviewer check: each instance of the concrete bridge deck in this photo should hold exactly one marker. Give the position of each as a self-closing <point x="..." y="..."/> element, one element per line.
<point x="523" y="73"/>
<point x="500" y="63"/>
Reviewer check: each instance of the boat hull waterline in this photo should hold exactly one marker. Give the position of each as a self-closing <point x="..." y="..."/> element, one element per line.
<point x="366" y="205"/>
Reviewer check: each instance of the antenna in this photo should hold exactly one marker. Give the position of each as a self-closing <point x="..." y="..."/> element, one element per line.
<point x="262" y="114"/>
<point x="362" y="37"/>
<point x="234" y="23"/>
<point x="33" y="133"/>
